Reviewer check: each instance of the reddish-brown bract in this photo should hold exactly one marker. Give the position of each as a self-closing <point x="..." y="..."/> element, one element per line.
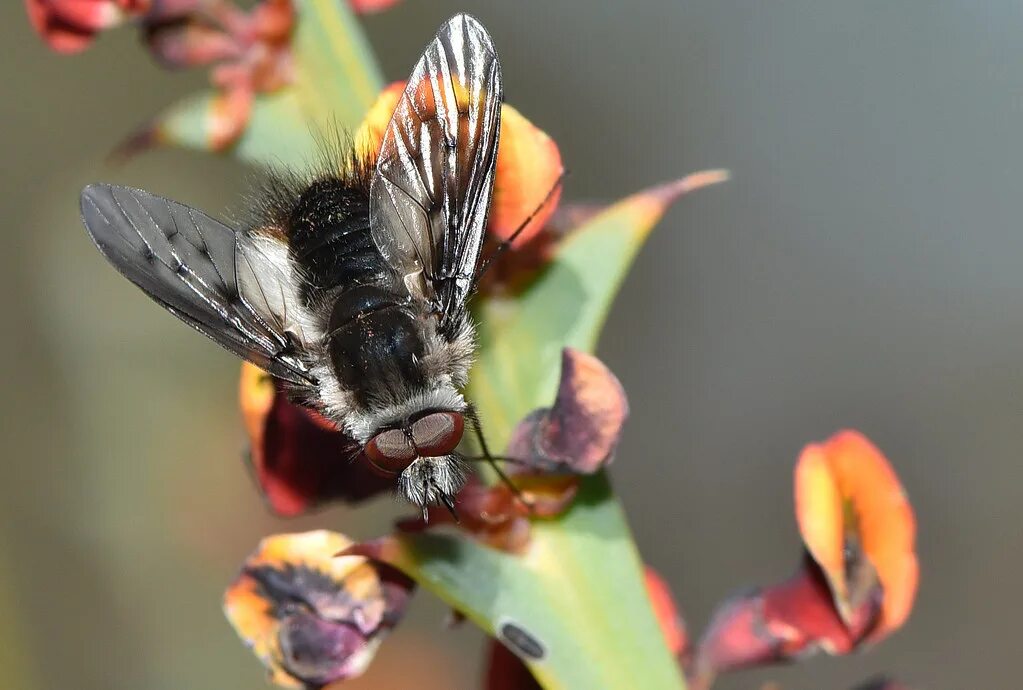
<point x="298" y="456"/>
<point x="579" y="433"/>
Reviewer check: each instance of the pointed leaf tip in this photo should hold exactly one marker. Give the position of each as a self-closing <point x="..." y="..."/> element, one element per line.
<point x="671" y="191"/>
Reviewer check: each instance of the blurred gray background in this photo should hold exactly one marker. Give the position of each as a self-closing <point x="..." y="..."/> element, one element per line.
<point x="862" y="269"/>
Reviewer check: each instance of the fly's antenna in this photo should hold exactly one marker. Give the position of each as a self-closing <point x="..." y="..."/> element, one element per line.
<point x="503" y="247"/>
<point x="474" y="420"/>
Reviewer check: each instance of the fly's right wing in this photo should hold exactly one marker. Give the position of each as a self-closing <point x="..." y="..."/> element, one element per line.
<point x="430" y="194"/>
<point x="213" y="278"/>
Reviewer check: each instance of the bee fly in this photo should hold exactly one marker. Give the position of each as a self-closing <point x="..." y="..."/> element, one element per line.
<point x="351" y="289"/>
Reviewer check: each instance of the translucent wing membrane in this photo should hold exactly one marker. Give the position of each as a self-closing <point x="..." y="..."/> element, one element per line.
<point x="216" y="280"/>
<point x="431" y="191"/>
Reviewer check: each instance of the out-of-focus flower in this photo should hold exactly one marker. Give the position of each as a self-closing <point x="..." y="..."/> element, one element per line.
<point x="310" y="617"/>
<point x="372" y="6"/>
<point x="858" y="577"/>
<point x="249" y="52"/>
<point x="299" y="458"/>
<point x="528" y="167"/>
<point x="505" y="671"/>
<point x="550" y="449"/>
<point x="69" y="26"/>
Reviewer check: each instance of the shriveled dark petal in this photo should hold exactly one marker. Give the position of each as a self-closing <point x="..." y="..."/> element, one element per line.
<point x="298" y="460"/>
<point x="580" y="432"/>
<point x="318" y="651"/>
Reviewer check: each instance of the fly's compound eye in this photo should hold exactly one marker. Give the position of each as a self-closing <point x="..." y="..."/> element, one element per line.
<point x="390" y="451"/>
<point x="437" y="434"/>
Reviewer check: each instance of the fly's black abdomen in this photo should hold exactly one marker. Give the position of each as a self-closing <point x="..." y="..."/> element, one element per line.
<point x="373" y="337"/>
<point x="329" y="237"/>
<point x="375" y="344"/>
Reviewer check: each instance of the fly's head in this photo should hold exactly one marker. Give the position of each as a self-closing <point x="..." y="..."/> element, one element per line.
<point x="422" y="453"/>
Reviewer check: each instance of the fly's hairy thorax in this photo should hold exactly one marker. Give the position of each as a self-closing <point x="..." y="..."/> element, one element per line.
<point x="374" y="336"/>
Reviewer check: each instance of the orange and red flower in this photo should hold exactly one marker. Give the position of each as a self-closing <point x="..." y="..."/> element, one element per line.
<point x="310" y="617"/>
<point x="857" y="581"/>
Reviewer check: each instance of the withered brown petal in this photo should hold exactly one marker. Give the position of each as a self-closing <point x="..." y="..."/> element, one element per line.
<point x="580" y="432"/>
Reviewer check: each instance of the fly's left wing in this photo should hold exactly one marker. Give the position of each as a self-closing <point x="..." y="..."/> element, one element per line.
<point x="219" y="281"/>
<point x="430" y="193"/>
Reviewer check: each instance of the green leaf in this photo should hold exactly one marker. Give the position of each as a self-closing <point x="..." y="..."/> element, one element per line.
<point x="336" y="81"/>
<point x="521" y="338"/>
<point x="579" y="588"/>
